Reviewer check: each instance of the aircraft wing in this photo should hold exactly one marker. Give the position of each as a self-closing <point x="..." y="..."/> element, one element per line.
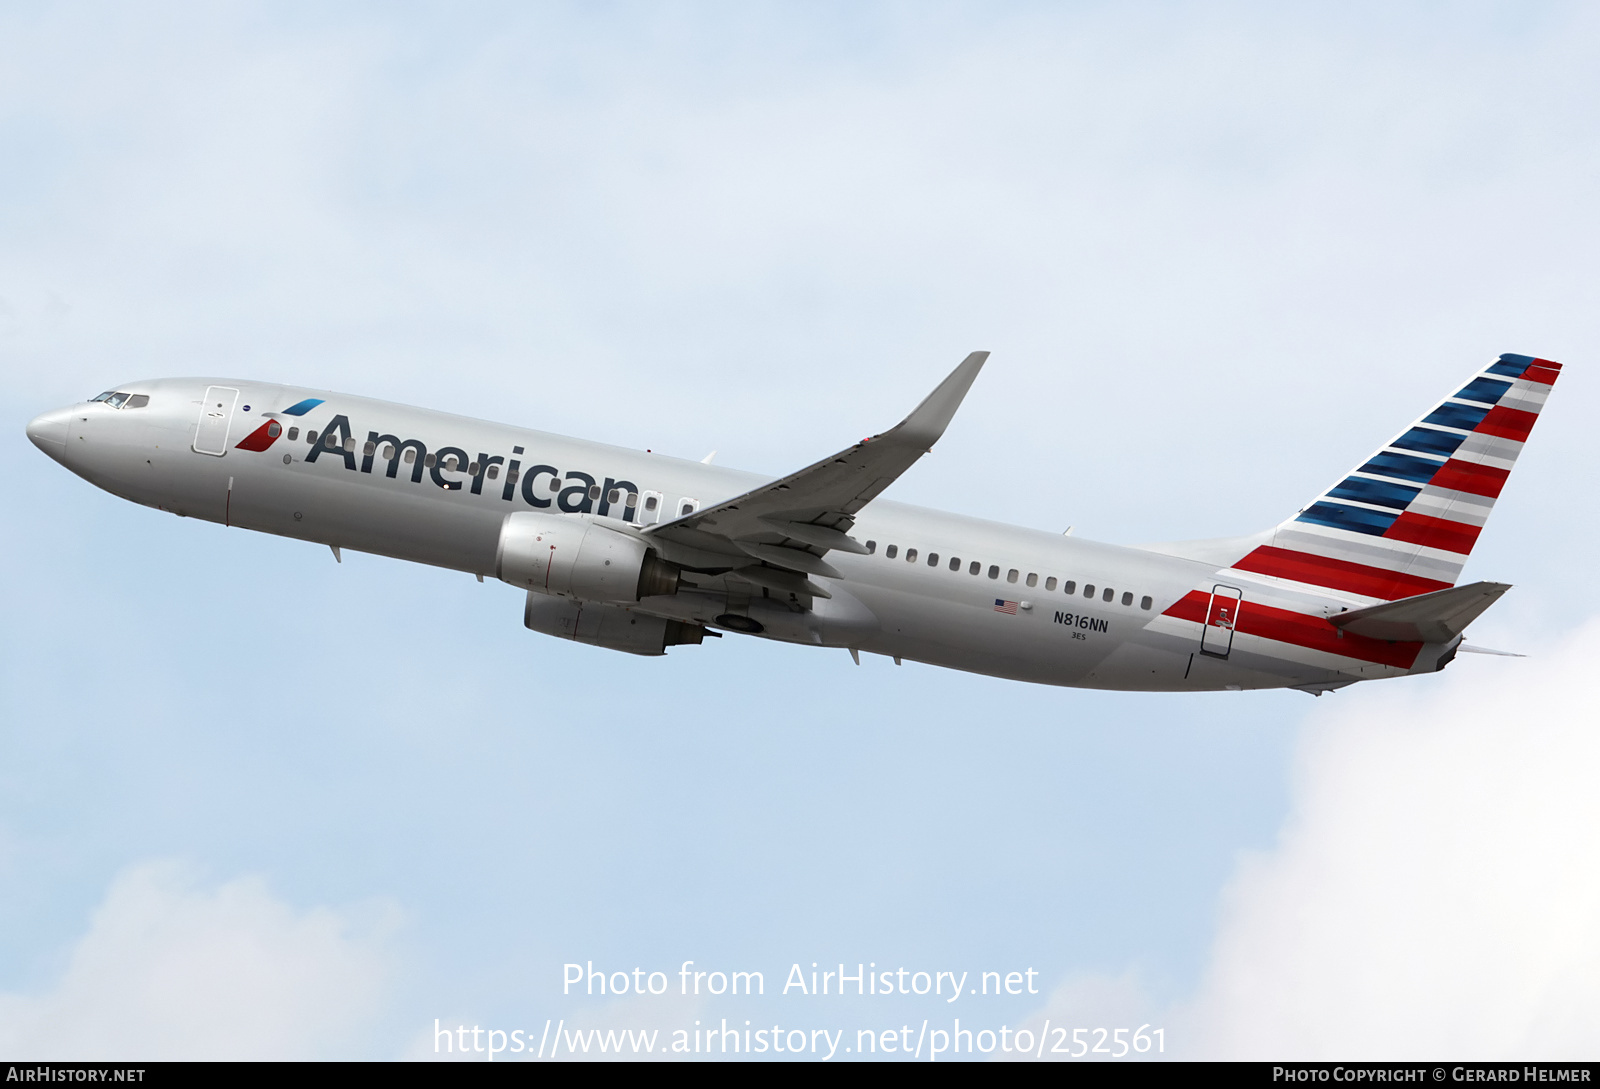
<point x="792" y="522"/>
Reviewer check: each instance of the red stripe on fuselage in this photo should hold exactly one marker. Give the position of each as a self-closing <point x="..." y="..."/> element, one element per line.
<point x="1432" y="532"/>
<point x="1469" y="476"/>
<point x="1353" y="578"/>
<point x="1507" y="423"/>
<point x="1300" y="630"/>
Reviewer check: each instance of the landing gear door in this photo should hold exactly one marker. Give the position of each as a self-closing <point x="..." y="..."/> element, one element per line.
<point x="216" y="416"/>
<point x="1222" y="617"/>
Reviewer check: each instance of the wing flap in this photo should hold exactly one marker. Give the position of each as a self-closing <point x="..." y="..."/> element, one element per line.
<point x="792" y="559"/>
<point x="785" y="582"/>
<point x="823" y="537"/>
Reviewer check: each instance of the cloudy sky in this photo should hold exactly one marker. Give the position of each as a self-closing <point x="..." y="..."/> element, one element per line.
<point x="254" y="803"/>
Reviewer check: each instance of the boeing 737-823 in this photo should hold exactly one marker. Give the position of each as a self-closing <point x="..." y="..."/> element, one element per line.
<point x="638" y="552"/>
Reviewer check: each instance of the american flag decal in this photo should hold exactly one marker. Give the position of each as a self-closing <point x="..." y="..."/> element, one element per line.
<point x="1007" y="607"/>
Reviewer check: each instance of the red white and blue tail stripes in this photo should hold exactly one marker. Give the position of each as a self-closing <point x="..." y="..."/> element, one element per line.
<point x="1405" y="520"/>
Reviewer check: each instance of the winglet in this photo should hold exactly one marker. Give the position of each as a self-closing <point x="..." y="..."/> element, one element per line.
<point x="929" y="419"/>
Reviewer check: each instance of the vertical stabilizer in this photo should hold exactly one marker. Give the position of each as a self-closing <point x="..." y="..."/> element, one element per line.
<point x="1404" y="521"/>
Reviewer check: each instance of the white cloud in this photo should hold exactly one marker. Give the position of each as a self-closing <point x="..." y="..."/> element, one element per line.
<point x="1436" y="891"/>
<point x="171" y="970"/>
<point x="1091" y="1003"/>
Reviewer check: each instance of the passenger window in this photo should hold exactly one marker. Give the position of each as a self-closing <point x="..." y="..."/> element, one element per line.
<point x="1088" y="589"/>
<point x="330" y="440"/>
<point x="975" y="568"/>
<point x="994" y="571"/>
<point x="274" y="429"/>
<point x="311" y="438"/>
<point x="872" y="546"/>
<point x="594" y="491"/>
<point x="555" y="486"/>
<point x="349" y="445"/>
<point x="388" y="451"/>
<point x="294" y="433"/>
<point x="1050" y="583"/>
<point x="1011" y="575"/>
<point x="892" y="551"/>
<point x="933" y="559"/>
<point x="139" y="400"/>
<point x="1127" y="598"/>
<point x="614" y="495"/>
<point x="650" y="502"/>
<point x="1145" y="602"/>
<point x="411" y="454"/>
<point x="370" y="449"/>
<point x="1069" y="587"/>
<point x="511" y="475"/>
<point x="493" y="473"/>
<point x="633" y="500"/>
<point x="688" y="507"/>
<point x="1033" y="579"/>
<point x="1108" y="595"/>
<point x="431" y="460"/>
<point x="955" y="563"/>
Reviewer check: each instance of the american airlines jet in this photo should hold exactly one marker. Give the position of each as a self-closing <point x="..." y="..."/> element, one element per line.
<point x="638" y="552"/>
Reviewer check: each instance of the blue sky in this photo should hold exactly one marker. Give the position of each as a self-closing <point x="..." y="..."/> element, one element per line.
<point x="253" y="802"/>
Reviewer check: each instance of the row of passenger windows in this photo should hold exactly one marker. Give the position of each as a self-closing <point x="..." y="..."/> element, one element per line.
<point x="1070" y="586"/>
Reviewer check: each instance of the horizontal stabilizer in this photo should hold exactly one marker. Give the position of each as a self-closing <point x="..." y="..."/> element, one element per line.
<point x="1427" y="618"/>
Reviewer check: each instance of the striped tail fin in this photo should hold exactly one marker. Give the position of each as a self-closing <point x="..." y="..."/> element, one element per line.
<point x="1404" y="521"/>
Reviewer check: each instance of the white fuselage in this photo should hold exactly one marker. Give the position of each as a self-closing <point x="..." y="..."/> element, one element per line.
<point x="1140" y="627"/>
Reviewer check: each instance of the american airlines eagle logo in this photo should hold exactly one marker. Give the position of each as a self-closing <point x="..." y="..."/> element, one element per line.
<point x="267" y="434"/>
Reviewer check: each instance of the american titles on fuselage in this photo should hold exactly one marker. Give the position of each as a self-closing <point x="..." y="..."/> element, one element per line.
<point x="576" y="492"/>
<point x="540" y="486"/>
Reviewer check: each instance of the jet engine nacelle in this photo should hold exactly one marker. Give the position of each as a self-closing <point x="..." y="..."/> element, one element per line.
<point x="609" y="626"/>
<point x="574" y="556"/>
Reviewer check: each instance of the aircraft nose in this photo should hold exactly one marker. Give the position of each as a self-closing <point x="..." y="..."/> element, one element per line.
<point x="49" y="432"/>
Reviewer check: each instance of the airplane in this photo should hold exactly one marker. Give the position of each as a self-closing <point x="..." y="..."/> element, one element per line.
<point x="638" y="552"/>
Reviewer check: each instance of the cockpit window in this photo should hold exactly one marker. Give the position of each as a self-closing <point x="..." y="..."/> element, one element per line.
<point x="123" y="400"/>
